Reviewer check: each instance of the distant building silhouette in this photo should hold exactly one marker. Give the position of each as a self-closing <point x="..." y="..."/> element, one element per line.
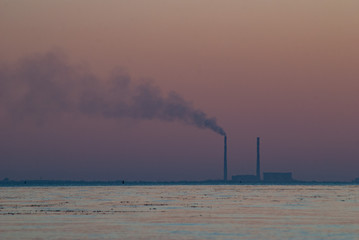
<point x="277" y="177"/>
<point x="225" y="159"/>
<point x="251" y="178"/>
<point x="269" y="177"/>
<point x="245" y="178"/>
<point x="258" y="160"/>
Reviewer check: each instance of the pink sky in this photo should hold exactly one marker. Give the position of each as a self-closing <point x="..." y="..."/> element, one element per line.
<point x="286" y="71"/>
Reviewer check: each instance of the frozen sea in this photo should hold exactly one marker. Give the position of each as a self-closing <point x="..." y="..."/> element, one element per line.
<point x="180" y="212"/>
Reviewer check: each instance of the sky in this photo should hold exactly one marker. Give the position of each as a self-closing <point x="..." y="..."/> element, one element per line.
<point x="141" y="90"/>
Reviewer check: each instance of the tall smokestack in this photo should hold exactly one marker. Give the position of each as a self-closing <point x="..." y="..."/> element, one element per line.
<point x="258" y="160"/>
<point x="225" y="159"/>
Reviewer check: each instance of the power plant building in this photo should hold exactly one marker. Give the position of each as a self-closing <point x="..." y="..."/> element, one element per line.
<point x="225" y="159"/>
<point x="276" y="177"/>
<point x="251" y="178"/>
<point x="245" y="178"/>
<point x="269" y="177"/>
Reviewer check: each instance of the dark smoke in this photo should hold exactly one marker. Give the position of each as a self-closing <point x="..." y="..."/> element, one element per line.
<point x="44" y="86"/>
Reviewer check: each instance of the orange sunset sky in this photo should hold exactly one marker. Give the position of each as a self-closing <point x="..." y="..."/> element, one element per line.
<point x="286" y="71"/>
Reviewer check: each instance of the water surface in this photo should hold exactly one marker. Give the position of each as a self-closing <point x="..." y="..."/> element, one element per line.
<point x="180" y="212"/>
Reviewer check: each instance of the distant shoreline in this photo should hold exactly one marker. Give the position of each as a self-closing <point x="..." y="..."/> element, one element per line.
<point x="34" y="183"/>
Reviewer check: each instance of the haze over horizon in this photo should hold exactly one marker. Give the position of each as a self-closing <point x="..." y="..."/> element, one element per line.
<point x="283" y="71"/>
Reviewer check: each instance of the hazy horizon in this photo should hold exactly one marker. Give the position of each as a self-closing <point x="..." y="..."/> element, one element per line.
<point x="139" y="90"/>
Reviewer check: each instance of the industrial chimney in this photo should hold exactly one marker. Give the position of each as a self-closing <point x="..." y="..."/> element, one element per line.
<point x="225" y="159"/>
<point x="258" y="161"/>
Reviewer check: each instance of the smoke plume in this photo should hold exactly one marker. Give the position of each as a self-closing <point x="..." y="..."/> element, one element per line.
<point x="44" y="86"/>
